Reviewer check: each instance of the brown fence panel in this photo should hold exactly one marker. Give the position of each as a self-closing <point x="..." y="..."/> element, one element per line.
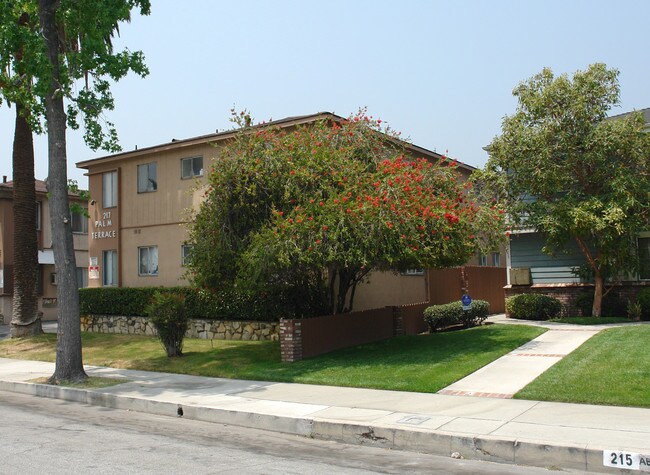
<point x="484" y="283"/>
<point x="487" y="283"/>
<point x="413" y="318"/>
<point x="445" y="285"/>
<point x="324" y="334"/>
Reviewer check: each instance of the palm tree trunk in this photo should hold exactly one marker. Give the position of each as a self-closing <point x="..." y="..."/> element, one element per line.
<point x="25" y="320"/>
<point x="69" y="365"/>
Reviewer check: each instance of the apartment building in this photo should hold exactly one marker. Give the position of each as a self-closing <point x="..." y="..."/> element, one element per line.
<point x="138" y="215"/>
<point x="47" y="281"/>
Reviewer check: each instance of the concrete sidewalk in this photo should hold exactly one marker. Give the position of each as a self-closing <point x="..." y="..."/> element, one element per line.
<point x="507" y="375"/>
<point x="534" y="433"/>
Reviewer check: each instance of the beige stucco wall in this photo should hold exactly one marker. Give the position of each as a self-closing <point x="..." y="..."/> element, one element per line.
<point x="156" y="218"/>
<point x="388" y="288"/>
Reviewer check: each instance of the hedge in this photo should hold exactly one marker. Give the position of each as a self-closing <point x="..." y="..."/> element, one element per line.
<point x="222" y="305"/>
<point x="533" y="307"/>
<point x="644" y="300"/>
<point x="611" y="306"/>
<point x="442" y="316"/>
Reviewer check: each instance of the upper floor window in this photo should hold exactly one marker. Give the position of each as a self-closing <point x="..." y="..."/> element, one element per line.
<point x="147" y="180"/>
<point x="191" y="167"/>
<point x="109" y="189"/>
<point x="79" y="223"/>
<point x="186" y="249"/>
<point x="148" y="260"/>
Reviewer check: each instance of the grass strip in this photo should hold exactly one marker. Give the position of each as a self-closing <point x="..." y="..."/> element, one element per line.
<point x="611" y="368"/>
<point x="419" y="363"/>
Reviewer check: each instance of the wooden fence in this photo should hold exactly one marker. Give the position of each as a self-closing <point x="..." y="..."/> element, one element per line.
<point x="483" y="283"/>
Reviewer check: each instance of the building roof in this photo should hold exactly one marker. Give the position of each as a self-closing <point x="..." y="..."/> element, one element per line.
<point x="39" y="185"/>
<point x="219" y="136"/>
<point x="645" y="112"/>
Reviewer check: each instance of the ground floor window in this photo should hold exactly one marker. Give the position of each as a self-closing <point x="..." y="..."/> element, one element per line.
<point x="82" y="277"/>
<point x="644" y="258"/>
<point x="148" y="260"/>
<point x="109" y="261"/>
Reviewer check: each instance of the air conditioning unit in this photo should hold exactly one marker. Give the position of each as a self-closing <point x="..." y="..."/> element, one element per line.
<point x="520" y="276"/>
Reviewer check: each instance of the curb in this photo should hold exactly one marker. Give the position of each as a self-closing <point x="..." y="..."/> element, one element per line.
<point x="487" y="448"/>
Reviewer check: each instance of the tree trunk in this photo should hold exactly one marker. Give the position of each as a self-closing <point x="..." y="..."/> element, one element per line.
<point x="598" y="295"/>
<point x="25" y="320"/>
<point x="69" y="365"/>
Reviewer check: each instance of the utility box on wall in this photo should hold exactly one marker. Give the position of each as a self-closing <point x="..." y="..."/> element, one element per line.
<point x="520" y="276"/>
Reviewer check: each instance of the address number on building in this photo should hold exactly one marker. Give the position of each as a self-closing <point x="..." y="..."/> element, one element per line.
<point x="627" y="460"/>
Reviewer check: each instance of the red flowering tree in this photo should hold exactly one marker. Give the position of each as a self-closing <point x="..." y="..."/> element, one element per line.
<point x="316" y="208"/>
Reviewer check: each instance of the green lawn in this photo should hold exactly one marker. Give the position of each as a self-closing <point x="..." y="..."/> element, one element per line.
<point x="613" y="368"/>
<point x="422" y="363"/>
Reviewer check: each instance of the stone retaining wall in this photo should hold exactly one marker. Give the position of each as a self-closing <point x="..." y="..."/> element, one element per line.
<point x="207" y="329"/>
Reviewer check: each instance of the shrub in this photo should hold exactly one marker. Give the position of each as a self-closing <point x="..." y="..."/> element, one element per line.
<point x="442" y="316"/>
<point x="167" y="314"/>
<point x="612" y="305"/>
<point x="643" y="299"/>
<point x="533" y="307"/>
<point x="634" y="311"/>
<point x="225" y="304"/>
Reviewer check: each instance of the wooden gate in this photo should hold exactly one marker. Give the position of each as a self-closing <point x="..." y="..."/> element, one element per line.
<point x="483" y="283"/>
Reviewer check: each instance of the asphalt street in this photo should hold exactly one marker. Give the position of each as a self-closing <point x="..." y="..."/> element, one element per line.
<point x="55" y="437"/>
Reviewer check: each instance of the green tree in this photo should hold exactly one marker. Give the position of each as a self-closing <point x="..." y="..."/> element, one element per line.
<point x="315" y="209"/>
<point x="14" y="78"/>
<point x="564" y="169"/>
<point x="72" y="43"/>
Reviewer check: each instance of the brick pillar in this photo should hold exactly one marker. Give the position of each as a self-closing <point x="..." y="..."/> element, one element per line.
<point x="398" y="326"/>
<point x="290" y="340"/>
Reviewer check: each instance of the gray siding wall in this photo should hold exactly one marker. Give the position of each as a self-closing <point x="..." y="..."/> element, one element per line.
<point x="526" y="251"/>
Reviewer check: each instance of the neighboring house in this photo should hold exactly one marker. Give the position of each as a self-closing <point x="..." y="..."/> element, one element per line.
<point x="46" y="289"/>
<point x="138" y="221"/>
<point x="531" y="270"/>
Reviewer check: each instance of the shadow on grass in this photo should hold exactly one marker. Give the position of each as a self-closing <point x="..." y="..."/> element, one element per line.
<point x="424" y="363"/>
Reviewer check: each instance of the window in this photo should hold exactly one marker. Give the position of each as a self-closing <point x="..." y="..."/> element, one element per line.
<point x="109" y="261"/>
<point x="79" y="222"/>
<point x="186" y="249"/>
<point x="644" y="258"/>
<point x="496" y="259"/>
<point x="482" y="259"/>
<point x="38" y="216"/>
<point x="413" y="272"/>
<point x="53" y="278"/>
<point x="82" y="277"/>
<point x="148" y="260"/>
<point x="147" y="180"/>
<point x="109" y="190"/>
<point x="191" y="167"/>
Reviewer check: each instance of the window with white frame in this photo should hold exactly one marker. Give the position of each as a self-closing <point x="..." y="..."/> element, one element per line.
<point x="109" y="189"/>
<point x="79" y="222"/>
<point x="644" y="258"/>
<point x="482" y="259"/>
<point x="413" y="272"/>
<point x="496" y="259"/>
<point x="109" y="262"/>
<point x="148" y="260"/>
<point x="191" y="167"/>
<point x="147" y="178"/>
<point x="186" y="249"/>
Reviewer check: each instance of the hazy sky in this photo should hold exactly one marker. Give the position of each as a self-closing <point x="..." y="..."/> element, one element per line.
<point x="441" y="72"/>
